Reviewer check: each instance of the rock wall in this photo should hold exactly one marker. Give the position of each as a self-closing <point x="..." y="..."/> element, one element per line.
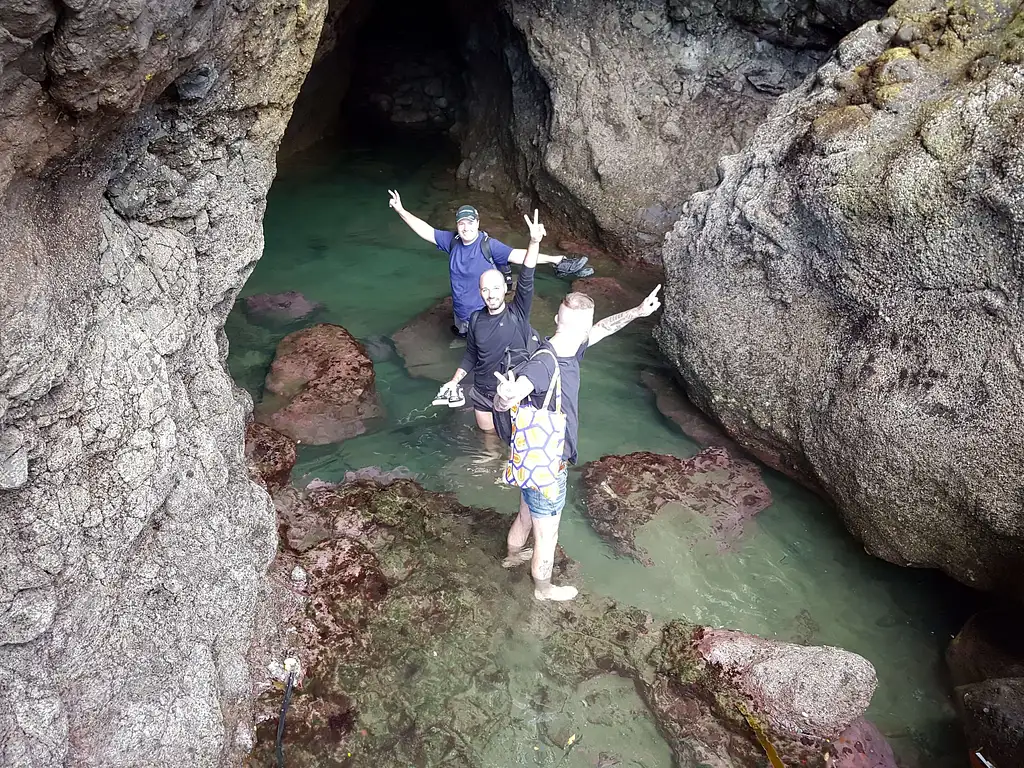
<point x="137" y="145"/>
<point x="619" y="111"/>
<point x="847" y="302"/>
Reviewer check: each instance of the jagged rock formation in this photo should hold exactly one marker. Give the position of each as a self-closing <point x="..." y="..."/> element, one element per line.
<point x="137" y="145"/>
<point x="619" y="111"/>
<point x="847" y="302"/>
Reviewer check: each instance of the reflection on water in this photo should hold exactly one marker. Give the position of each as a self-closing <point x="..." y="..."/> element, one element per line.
<point x="795" y="575"/>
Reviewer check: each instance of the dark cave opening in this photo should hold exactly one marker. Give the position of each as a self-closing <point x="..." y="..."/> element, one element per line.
<point x="391" y="71"/>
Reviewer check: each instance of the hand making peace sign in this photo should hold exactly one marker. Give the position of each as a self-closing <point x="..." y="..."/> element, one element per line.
<point x="536" y="228"/>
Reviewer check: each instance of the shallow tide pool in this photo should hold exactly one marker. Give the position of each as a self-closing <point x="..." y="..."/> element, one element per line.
<point x="795" y="575"/>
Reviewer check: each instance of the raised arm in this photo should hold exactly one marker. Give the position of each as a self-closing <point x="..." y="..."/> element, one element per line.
<point x="613" y="323"/>
<point x="417" y="225"/>
<point x="518" y="256"/>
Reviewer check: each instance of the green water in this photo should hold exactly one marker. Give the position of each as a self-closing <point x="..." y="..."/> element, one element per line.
<point x="796" y="574"/>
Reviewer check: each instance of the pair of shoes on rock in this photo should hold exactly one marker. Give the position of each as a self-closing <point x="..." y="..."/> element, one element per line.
<point x="574" y="267"/>
<point x="453" y="398"/>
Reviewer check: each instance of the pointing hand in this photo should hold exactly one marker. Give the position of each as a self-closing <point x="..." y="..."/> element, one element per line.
<point x="537" y="231"/>
<point x="396" y="200"/>
<point x="651" y="303"/>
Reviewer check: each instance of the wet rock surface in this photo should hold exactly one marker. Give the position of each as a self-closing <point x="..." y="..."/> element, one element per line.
<point x="321" y="387"/>
<point x="137" y="145"/>
<point x="622" y="493"/>
<point x="620" y="110"/>
<point x="287" y="306"/>
<point x="991" y="644"/>
<point x="986" y="660"/>
<point x="419" y="340"/>
<point x="848" y="298"/>
<point x="993" y="717"/>
<point x="408" y="636"/>
<point x="861" y="745"/>
<point x="270" y="455"/>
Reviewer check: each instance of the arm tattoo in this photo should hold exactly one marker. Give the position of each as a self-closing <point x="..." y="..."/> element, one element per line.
<point x="614" y="323"/>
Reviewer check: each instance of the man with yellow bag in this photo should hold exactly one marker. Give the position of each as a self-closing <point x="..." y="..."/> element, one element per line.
<point x="543" y="395"/>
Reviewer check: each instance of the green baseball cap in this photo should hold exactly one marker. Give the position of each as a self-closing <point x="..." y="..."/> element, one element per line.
<point x="466" y="212"/>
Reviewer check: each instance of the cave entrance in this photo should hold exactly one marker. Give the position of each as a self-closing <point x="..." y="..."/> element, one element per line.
<point x="400" y="71"/>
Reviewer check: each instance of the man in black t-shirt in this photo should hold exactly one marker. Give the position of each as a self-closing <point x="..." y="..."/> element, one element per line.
<point x="496" y="331"/>
<point x="530" y="382"/>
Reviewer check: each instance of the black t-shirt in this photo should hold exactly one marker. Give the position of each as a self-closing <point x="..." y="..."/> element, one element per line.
<point x="490" y="335"/>
<point x="540" y="369"/>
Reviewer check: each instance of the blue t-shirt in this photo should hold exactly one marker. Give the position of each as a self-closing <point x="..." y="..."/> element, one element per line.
<point x="466" y="264"/>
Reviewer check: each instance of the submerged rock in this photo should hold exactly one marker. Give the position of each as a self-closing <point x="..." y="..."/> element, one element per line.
<point x="861" y="745"/>
<point x="991" y="644"/>
<point x="411" y="632"/>
<point x="320" y="388"/>
<point x="427" y="344"/>
<point x="675" y="405"/>
<point x="290" y="305"/>
<point x="609" y="295"/>
<point x="993" y="717"/>
<point x="848" y="299"/>
<point x="622" y="493"/>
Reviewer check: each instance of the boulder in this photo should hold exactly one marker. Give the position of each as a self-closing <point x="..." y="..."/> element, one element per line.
<point x="847" y="301"/>
<point x="613" y="137"/>
<point x="796" y="698"/>
<point x="991" y="644"/>
<point x="427" y="344"/>
<point x="622" y="493"/>
<point x="993" y="717"/>
<point x="320" y="388"/>
<point x="271" y="456"/>
<point x="287" y="306"/>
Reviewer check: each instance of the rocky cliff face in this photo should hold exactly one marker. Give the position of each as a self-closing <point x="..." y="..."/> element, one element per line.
<point x="619" y="111"/>
<point x="137" y="143"/>
<point x="848" y="300"/>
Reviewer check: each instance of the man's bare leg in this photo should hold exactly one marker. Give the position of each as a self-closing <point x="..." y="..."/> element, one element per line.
<point x="484" y="420"/>
<point x="518" y="552"/>
<point x="545" y="538"/>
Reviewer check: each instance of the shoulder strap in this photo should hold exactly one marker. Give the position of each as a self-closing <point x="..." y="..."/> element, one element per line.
<point x="485" y="247"/>
<point x="556" y="383"/>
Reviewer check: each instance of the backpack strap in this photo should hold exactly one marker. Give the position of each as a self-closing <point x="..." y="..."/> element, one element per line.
<point x="556" y="380"/>
<point x="485" y="248"/>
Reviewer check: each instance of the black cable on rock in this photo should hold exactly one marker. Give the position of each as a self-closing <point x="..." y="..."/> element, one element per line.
<point x="280" y="720"/>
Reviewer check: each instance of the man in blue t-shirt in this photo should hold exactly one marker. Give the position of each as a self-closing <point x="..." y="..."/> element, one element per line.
<point x="467" y="260"/>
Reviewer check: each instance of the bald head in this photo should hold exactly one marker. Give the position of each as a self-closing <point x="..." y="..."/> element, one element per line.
<point x="492" y="279"/>
<point x="492" y="290"/>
